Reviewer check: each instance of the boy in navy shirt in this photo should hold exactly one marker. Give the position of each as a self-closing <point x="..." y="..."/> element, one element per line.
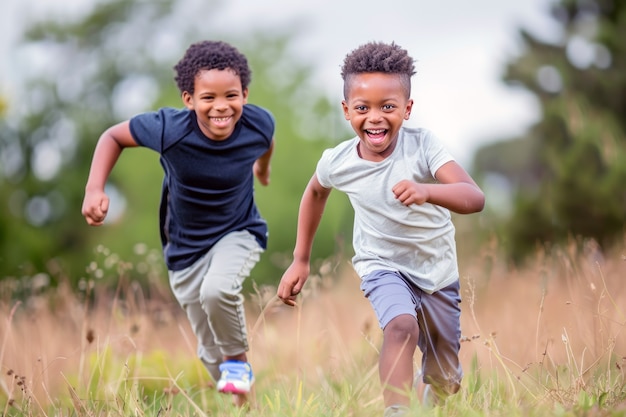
<point x="211" y="230"/>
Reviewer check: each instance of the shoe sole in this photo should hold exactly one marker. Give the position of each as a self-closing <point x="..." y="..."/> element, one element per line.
<point x="230" y="388"/>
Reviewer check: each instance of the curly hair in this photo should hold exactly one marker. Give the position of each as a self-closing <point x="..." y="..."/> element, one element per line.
<point x="378" y="57"/>
<point x="208" y="55"/>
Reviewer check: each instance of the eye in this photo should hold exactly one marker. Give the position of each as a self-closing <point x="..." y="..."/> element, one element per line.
<point x="361" y="109"/>
<point x="388" y="107"/>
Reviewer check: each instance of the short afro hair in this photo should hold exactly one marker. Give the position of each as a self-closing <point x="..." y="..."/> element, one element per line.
<point x="208" y="55"/>
<point x="378" y="57"/>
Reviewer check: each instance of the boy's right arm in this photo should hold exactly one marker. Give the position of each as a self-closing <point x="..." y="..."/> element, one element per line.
<point x="108" y="149"/>
<point x="309" y="216"/>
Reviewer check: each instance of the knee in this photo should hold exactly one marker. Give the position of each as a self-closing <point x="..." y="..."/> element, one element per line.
<point x="212" y="295"/>
<point x="402" y="329"/>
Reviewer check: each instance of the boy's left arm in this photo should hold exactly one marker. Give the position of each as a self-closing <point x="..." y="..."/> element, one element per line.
<point x="455" y="191"/>
<point x="261" y="168"/>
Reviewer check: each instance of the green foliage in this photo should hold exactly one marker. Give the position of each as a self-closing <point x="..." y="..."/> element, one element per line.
<point x="93" y="67"/>
<point x="567" y="173"/>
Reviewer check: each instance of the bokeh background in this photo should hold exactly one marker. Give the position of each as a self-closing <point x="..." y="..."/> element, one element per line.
<point x="529" y="96"/>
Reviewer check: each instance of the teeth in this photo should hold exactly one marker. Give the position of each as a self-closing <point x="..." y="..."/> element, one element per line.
<point x="376" y="131"/>
<point x="220" y="119"/>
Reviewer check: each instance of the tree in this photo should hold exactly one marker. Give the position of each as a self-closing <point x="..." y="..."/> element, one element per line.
<point x="568" y="172"/>
<point x="102" y="68"/>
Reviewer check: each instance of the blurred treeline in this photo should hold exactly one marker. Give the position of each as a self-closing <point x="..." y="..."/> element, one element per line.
<point x="86" y="74"/>
<point x="564" y="179"/>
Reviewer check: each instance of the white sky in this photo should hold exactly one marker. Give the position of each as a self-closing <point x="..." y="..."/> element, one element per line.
<point x="460" y="46"/>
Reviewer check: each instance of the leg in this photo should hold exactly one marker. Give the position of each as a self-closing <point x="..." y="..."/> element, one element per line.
<point x="185" y="286"/>
<point x="395" y="304"/>
<point x="232" y="260"/>
<point x="208" y="352"/>
<point x="439" y="340"/>
<point x="396" y="359"/>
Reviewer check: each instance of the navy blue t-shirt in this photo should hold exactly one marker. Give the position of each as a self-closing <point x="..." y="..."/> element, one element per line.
<point x="208" y="188"/>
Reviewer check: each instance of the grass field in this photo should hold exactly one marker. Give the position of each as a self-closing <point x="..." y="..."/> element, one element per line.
<point x="545" y="340"/>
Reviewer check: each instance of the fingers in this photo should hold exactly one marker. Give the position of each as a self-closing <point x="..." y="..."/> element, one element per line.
<point x="402" y="195"/>
<point x="407" y="193"/>
<point x="98" y="215"/>
<point x="104" y="206"/>
<point x="264" y="178"/>
<point x="285" y="293"/>
<point x="291" y="301"/>
<point x="95" y="219"/>
<point x="262" y="174"/>
<point x="292" y="282"/>
<point x="95" y="213"/>
<point x="288" y="292"/>
<point x="400" y="191"/>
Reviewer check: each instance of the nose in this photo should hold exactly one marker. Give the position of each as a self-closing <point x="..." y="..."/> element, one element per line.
<point x="220" y="104"/>
<point x="375" y="116"/>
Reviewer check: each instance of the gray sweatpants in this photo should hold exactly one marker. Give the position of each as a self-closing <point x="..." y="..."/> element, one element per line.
<point x="210" y="293"/>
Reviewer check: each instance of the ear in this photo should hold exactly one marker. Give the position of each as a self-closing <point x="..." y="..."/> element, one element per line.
<point x="346" y="113"/>
<point x="245" y="96"/>
<point x="187" y="100"/>
<point x="407" y="110"/>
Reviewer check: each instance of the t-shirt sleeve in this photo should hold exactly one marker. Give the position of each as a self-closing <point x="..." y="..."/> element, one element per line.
<point x="436" y="154"/>
<point x="260" y="120"/>
<point x="147" y="129"/>
<point x="160" y="129"/>
<point x="322" y="171"/>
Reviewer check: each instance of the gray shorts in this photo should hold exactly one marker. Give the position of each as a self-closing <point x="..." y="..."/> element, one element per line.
<point x="438" y="316"/>
<point x="210" y="293"/>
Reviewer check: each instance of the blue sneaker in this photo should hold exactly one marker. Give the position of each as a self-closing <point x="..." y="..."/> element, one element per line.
<point x="236" y="377"/>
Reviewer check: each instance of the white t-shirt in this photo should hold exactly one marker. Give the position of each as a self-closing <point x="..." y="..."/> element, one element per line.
<point x="418" y="240"/>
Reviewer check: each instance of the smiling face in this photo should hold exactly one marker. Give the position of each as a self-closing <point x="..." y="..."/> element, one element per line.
<point x="376" y="105"/>
<point x="217" y="100"/>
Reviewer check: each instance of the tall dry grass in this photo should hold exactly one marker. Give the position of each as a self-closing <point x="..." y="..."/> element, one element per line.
<point x="557" y="326"/>
<point x="545" y="339"/>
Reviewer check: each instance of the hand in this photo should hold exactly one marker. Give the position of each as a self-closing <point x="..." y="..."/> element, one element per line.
<point x="411" y="192"/>
<point x="292" y="282"/>
<point x="262" y="172"/>
<point x="95" y="207"/>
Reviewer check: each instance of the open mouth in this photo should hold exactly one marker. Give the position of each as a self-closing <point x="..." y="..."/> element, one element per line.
<point x="376" y="135"/>
<point x="221" y="121"/>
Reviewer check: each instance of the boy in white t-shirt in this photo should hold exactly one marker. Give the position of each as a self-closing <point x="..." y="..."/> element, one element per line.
<point x="402" y="185"/>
